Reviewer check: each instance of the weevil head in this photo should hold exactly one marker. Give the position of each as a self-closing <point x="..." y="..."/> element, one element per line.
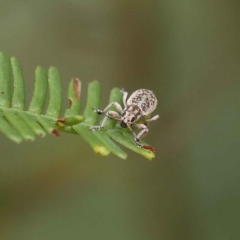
<point x="130" y="115"/>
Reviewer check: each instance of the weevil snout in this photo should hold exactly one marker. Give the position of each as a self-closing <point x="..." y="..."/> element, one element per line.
<point x="123" y="124"/>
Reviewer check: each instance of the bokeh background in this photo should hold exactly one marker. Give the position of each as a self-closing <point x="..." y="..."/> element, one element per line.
<point x="188" y="52"/>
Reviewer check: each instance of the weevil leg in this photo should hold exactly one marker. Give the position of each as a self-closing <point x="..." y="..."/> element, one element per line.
<point x="154" y="118"/>
<point x="114" y="115"/>
<point x="125" y="94"/>
<point x="115" y="104"/>
<point x="110" y="114"/>
<point x="141" y="134"/>
<point x="134" y="136"/>
<point x="95" y="128"/>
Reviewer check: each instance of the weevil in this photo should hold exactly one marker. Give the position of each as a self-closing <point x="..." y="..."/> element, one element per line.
<point x="137" y="108"/>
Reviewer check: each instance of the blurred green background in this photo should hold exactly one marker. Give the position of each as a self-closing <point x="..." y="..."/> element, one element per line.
<point x="188" y="52"/>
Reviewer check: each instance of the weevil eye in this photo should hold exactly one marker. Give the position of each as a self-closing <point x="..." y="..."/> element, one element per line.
<point x="133" y="118"/>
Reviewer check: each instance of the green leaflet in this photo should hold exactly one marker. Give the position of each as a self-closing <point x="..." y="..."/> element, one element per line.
<point x="126" y="139"/>
<point x="5" y="81"/>
<point x="55" y="88"/>
<point x="8" y="130"/>
<point x="18" y="100"/>
<point x="40" y="91"/>
<point x="74" y="98"/>
<point x="93" y="101"/>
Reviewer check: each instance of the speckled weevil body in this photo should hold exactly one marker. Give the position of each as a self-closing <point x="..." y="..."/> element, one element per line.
<point x="138" y="107"/>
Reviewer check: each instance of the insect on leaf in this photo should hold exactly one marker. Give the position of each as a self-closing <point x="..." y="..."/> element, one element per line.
<point x="19" y="124"/>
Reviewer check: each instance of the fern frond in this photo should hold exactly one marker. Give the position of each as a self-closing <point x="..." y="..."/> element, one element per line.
<point x="19" y="124"/>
